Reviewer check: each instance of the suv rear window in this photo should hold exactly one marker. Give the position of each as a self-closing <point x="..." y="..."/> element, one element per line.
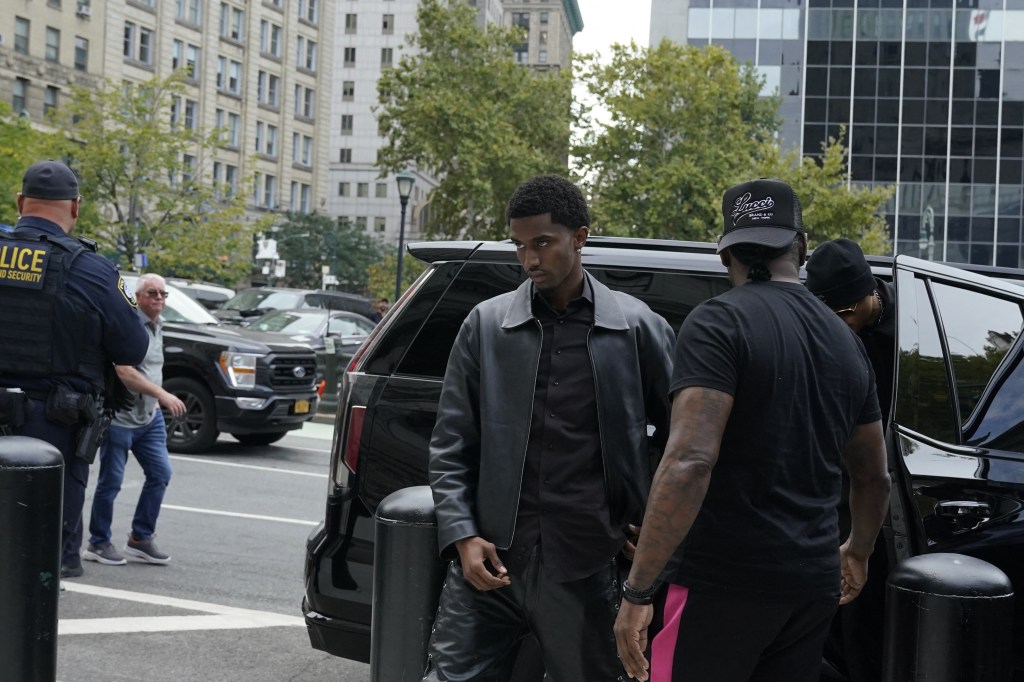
<point x="670" y="294"/>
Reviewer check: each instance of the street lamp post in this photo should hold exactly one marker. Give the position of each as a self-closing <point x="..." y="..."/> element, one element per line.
<point x="405" y="180"/>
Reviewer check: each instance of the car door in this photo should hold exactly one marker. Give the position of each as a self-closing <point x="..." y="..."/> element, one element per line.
<point x="957" y="436"/>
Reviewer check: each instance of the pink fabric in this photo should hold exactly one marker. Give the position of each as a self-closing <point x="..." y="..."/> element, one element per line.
<point x="663" y="648"/>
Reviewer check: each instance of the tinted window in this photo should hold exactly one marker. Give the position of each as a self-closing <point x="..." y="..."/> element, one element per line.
<point x="979" y="329"/>
<point x="670" y="294"/>
<point x="922" y="399"/>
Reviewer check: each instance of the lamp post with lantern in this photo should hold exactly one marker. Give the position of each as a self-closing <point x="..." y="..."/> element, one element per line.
<point x="405" y="181"/>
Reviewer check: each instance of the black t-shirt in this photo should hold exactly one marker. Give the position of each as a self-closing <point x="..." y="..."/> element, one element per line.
<point x="800" y="382"/>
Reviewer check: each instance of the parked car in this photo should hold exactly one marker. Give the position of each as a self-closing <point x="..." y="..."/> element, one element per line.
<point x="253" y="302"/>
<point x="335" y="335"/>
<point x="211" y="296"/>
<point x="255" y="386"/>
<point x="956" y="441"/>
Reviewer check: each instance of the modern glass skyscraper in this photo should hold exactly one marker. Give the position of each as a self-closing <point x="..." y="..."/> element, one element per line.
<point x="931" y="93"/>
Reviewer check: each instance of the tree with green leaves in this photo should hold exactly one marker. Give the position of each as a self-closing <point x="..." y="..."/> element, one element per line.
<point x="681" y="124"/>
<point x="21" y="145"/>
<point x="459" y="108"/>
<point x="832" y="207"/>
<point x="309" y="241"/>
<point x="381" y="275"/>
<point x="144" y="169"/>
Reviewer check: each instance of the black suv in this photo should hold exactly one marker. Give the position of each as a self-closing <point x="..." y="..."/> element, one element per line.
<point x="253" y="385"/>
<point x="956" y="444"/>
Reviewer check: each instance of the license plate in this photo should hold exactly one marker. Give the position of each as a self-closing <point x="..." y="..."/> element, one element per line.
<point x="301" y="406"/>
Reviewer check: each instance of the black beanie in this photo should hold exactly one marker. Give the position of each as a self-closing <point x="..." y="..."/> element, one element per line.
<point x="838" y="274"/>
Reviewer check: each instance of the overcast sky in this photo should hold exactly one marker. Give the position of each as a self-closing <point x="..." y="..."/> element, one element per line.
<point x="612" y="21"/>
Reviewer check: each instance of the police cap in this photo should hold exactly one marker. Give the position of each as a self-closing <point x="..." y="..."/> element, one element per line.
<point x="51" y="180"/>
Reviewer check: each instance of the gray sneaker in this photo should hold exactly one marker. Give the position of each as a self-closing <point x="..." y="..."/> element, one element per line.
<point x="145" y="550"/>
<point x="104" y="554"/>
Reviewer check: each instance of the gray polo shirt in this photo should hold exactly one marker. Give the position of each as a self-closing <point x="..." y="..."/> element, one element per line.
<point x="152" y="368"/>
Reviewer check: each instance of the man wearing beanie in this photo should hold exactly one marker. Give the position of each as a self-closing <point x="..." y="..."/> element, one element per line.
<point x="67" y="317"/>
<point x="838" y="274"/>
<point x="772" y="396"/>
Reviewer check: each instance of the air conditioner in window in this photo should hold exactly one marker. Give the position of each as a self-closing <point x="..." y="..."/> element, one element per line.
<point x="83" y="10"/>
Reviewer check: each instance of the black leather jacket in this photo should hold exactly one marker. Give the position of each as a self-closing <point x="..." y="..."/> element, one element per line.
<point x="479" y="442"/>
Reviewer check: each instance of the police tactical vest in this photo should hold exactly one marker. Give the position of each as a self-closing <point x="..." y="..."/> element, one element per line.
<point x="46" y="331"/>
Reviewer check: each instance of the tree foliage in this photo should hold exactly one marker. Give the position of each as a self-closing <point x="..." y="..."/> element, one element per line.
<point x="832" y="207"/>
<point x="381" y="275"/>
<point x="683" y="123"/>
<point x="21" y="145"/>
<point x="462" y="110"/>
<point x="309" y="241"/>
<point x="144" y="173"/>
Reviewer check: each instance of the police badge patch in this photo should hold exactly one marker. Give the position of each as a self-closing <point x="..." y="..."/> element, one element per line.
<point x="126" y="291"/>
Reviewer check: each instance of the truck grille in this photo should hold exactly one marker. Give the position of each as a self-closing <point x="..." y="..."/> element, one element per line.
<point x="283" y="370"/>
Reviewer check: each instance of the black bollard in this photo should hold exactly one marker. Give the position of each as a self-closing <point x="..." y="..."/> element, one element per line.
<point x="407" y="580"/>
<point x="949" y="618"/>
<point x="31" y="490"/>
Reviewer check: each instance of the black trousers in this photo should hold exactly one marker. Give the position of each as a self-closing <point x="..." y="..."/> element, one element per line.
<point x="711" y="637"/>
<point x="76" y="475"/>
<point x="476" y="635"/>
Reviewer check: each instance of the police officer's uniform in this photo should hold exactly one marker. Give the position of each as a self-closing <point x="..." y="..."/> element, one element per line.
<point x="66" y="316"/>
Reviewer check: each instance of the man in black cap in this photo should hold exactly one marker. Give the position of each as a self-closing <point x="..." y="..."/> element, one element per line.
<point x="771" y="393"/>
<point x="839" y="275"/>
<point x="67" y="317"/>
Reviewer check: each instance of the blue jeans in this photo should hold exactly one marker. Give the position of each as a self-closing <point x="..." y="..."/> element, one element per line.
<point x="149" y="445"/>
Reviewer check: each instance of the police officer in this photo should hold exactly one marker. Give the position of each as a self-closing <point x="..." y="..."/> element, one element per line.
<point x="66" y="316"/>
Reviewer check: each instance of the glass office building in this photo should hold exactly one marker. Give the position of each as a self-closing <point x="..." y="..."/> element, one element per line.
<point x="931" y="94"/>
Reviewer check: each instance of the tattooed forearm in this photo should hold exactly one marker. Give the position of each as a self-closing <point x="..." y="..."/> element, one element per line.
<point x="699" y="416"/>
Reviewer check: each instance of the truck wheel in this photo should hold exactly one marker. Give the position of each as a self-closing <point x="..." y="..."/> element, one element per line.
<point x="258" y="438"/>
<point x="196" y="430"/>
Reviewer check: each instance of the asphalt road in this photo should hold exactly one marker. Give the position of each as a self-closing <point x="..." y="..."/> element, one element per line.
<point x="227" y="607"/>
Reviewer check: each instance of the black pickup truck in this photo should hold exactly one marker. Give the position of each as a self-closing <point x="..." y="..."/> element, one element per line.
<point x="255" y="386"/>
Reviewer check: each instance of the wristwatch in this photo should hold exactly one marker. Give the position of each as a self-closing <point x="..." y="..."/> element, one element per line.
<point x="638" y="597"/>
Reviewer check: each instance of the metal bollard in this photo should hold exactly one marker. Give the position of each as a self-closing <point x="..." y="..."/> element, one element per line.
<point x="949" y="618"/>
<point x="31" y="491"/>
<point x="407" y="579"/>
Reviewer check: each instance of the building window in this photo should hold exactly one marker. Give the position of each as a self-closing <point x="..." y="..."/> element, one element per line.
<point x="188" y="10"/>
<point x="542" y="56"/>
<point x="363" y="189"/>
<point x="351" y="21"/>
<point x="21" y="32"/>
<point x="309" y="10"/>
<point x="232" y="22"/>
<point x="19" y="95"/>
<point x="305" y="53"/>
<point x="519" y="54"/>
<point x="361" y="223"/>
<point x="344" y="155"/>
<point x="542" y="37"/>
<point x="52" y="45"/>
<point x="543" y="19"/>
<point x="387" y="56"/>
<point x="348" y="91"/>
<point x="309" y="103"/>
<point x="346" y="124"/>
<point x="229" y="75"/>
<point x="185" y="57"/>
<point x="81" y="54"/>
<point x="188" y="167"/>
<point x="228" y="124"/>
<point x="272" y="141"/>
<point x="380" y="224"/>
<point x="302" y="149"/>
<point x="270" y="38"/>
<point x="343" y="189"/>
<point x="191" y="114"/>
<point x="349" y="57"/>
<point x="260" y="136"/>
<point x="138" y="43"/>
<point x="269" y="191"/>
<point x="49" y="99"/>
<point x="521" y="19"/>
<point x="382" y="190"/>
<point x="388" y="24"/>
<point x="231" y="179"/>
<point x="268" y="88"/>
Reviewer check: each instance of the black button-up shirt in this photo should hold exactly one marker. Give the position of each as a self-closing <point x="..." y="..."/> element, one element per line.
<point x="563" y="502"/>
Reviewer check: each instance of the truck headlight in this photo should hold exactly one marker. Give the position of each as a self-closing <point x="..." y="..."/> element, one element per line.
<point x="239" y="368"/>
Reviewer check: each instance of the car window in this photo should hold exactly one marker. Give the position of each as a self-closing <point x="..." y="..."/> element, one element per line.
<point x="980" y="329"/>
<point x="923" y="399"/>
<point x="349" y="326"/>
<point x="288" y="322"/>
<point x="255" y="298"/>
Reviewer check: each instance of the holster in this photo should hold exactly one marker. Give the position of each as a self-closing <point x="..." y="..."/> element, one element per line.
<point x="13" y="407"/>
<point x="91" y="436"/>
<point x="70" y="408"/>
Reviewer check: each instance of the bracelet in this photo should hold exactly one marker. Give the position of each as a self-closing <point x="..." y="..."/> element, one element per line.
<point x="638" y="597"/>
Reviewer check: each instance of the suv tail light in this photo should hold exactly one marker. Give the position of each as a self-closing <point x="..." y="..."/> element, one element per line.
<point x="354" y="436"/>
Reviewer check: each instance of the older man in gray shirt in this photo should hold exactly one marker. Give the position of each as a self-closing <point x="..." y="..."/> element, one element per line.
<point x="140" y="429"/>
